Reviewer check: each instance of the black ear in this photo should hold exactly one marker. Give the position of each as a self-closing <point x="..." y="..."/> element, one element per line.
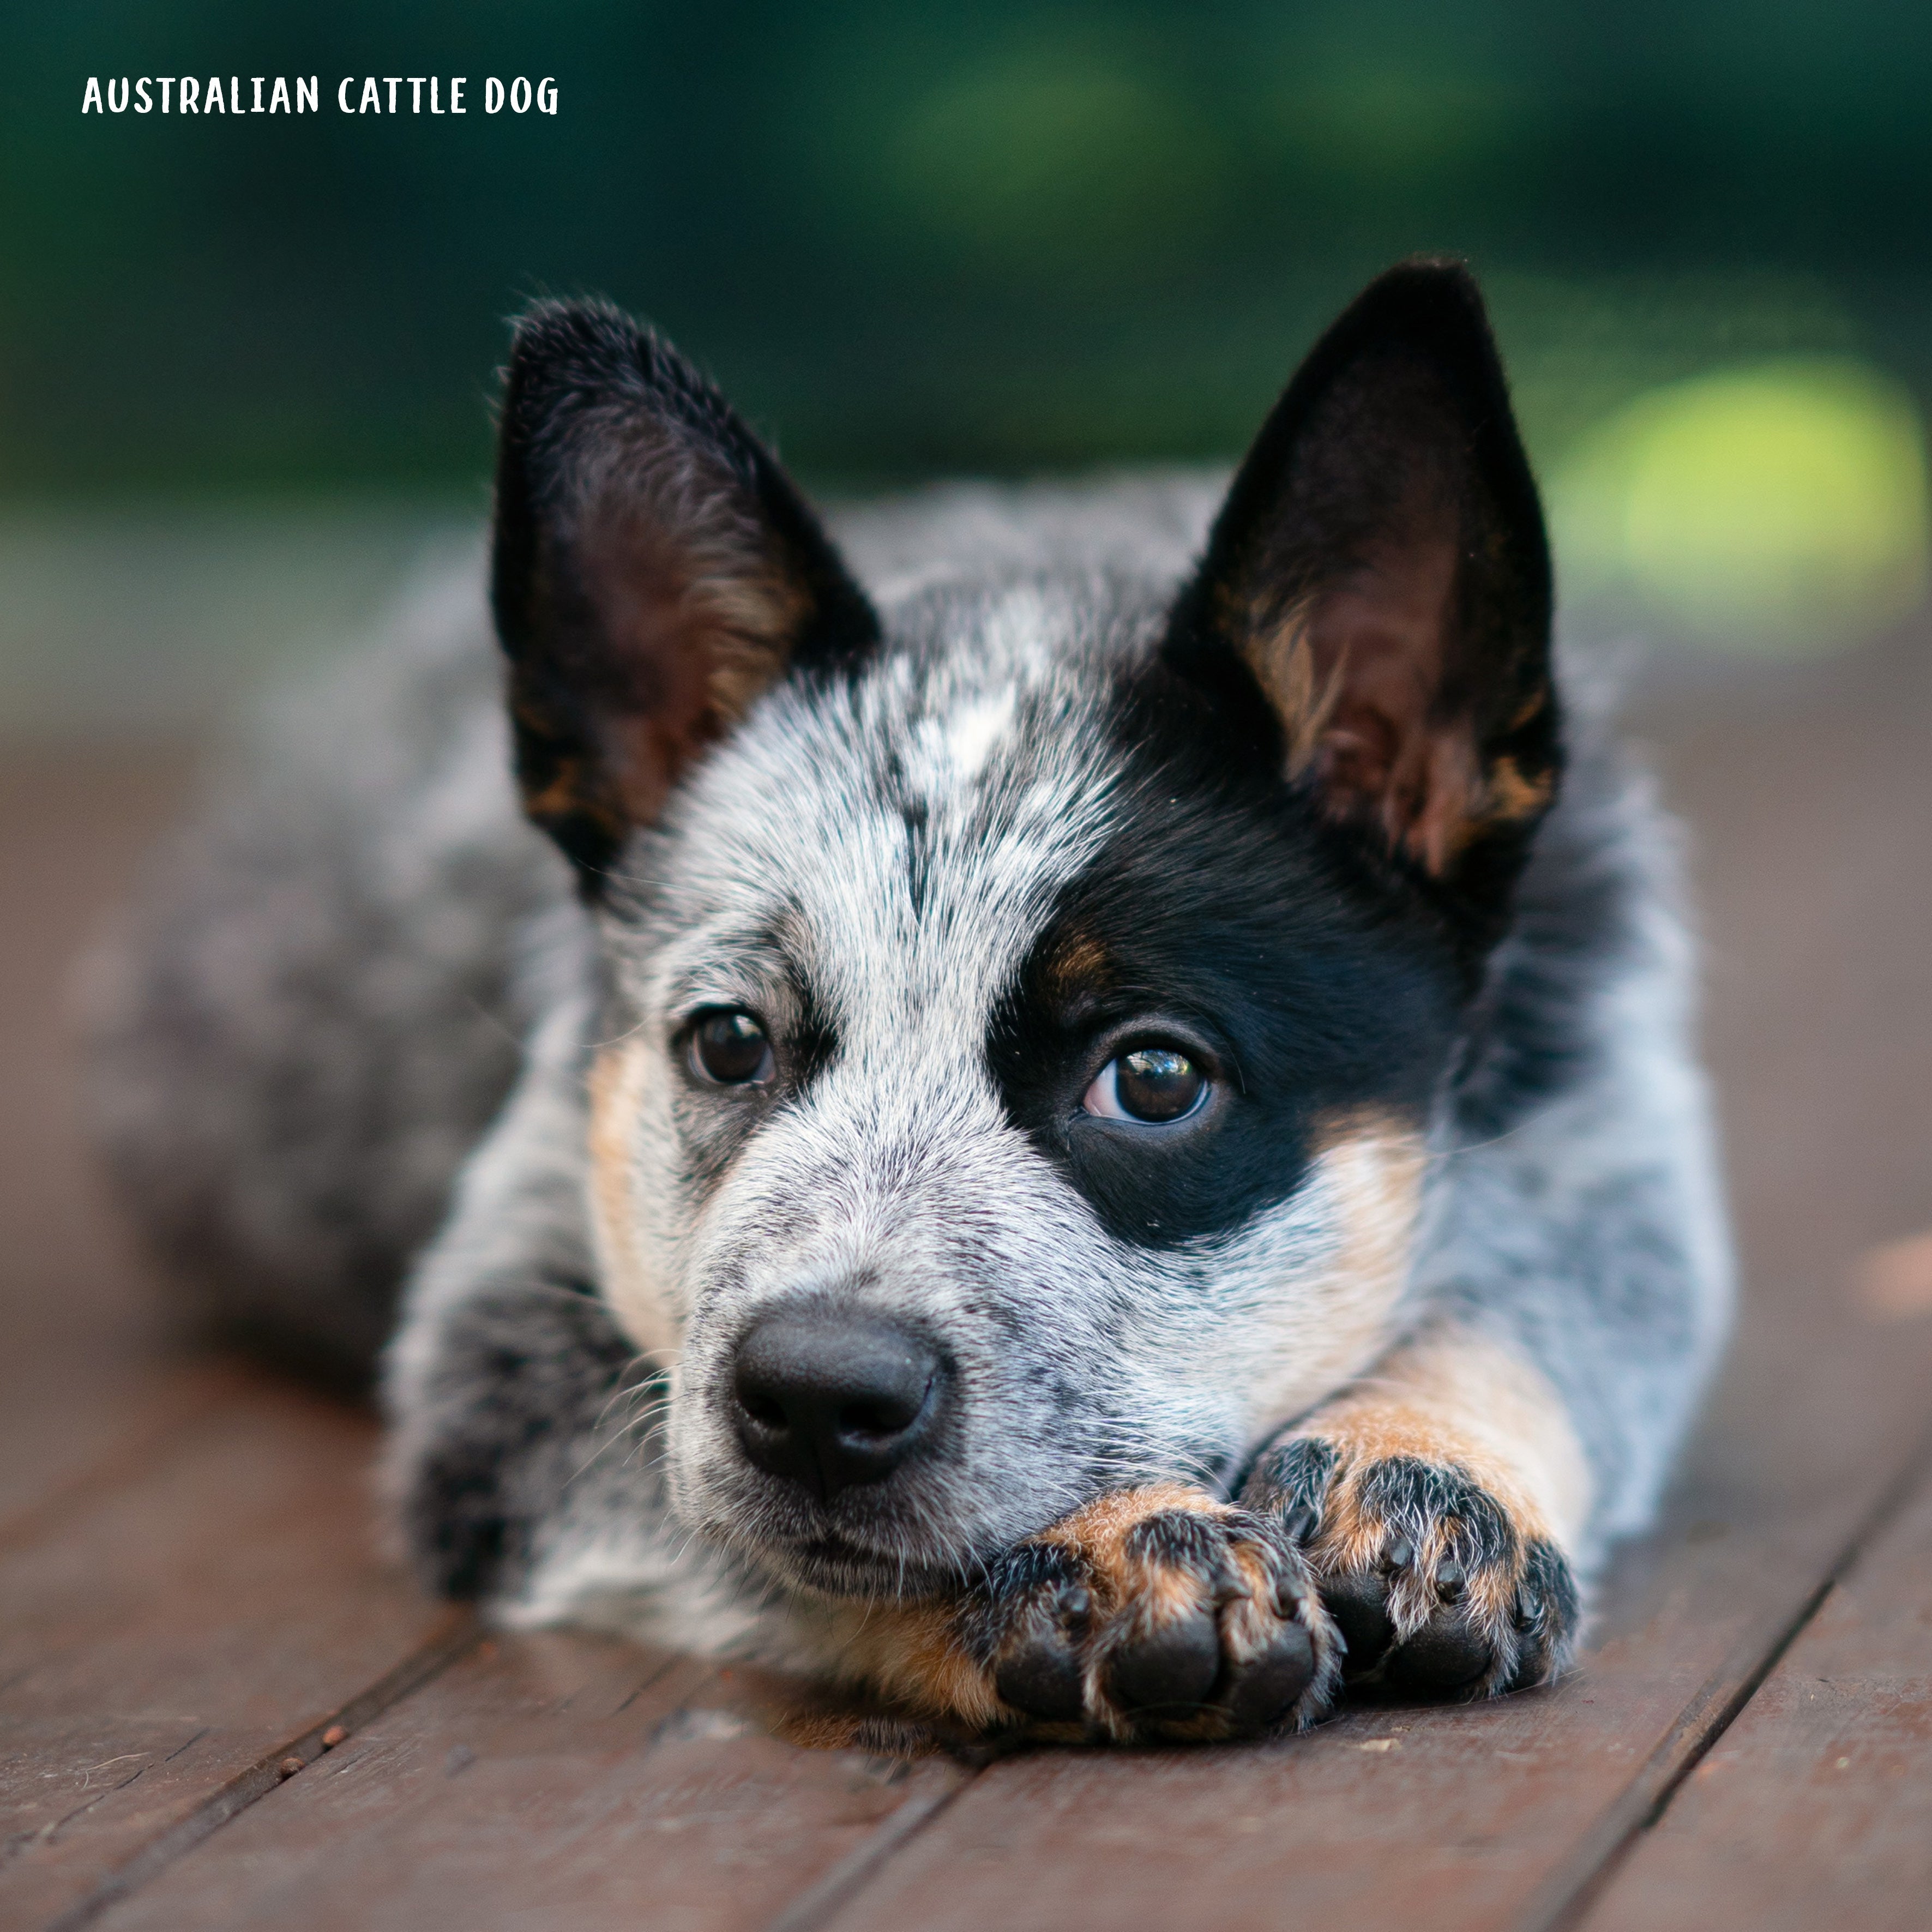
<point x="655" y="572"/>
<point x="1380" y="570"/>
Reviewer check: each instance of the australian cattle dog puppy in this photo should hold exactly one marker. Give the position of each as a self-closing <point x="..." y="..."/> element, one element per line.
<point x="1095" y="1129"/>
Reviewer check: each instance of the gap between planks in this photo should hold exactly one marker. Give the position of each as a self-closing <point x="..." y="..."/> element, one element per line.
<point x="1565" y="1900"/>
<point x="814" y="1907"/>
<point x="459" y="1634"/>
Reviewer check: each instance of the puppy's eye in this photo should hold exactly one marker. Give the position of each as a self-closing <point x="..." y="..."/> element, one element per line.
<point x="1152" y="1083"/>
<point x="731" y="1049"/>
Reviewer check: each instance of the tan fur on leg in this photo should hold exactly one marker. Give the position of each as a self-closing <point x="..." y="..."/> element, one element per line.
<point x="1453" y="1486"/>
<point x="912" y="1654"/>
<point x="1458" y="1398"/>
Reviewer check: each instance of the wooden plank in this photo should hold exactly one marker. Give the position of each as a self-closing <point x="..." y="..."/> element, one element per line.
<point x="1815" y="1807"/>
<point x="182" y="1623"/>
<point x="105" y="1423"/>
<point x="554" y="1779"/>
<point x="268" y="1773"/>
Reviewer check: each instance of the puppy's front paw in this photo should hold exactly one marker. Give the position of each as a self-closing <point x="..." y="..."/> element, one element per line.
<point x="1442" y="1584"/>
<point x="1157" y="1613"/>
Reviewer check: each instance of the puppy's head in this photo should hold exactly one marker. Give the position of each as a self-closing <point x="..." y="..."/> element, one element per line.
<point x="1025" y="998"/>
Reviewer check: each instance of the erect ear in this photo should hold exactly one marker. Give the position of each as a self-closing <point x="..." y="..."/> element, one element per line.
<point x="655" y="572"/>
<point x="1380" y="568"/>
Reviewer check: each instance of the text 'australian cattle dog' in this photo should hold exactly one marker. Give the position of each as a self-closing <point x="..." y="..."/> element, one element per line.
<point x="1108" y="1141"/>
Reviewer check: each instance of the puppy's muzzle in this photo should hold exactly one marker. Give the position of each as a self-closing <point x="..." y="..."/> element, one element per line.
<point x="831" y="1401"/>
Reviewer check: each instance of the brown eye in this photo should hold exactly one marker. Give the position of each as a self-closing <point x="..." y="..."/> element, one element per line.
<point x="730" y="1049"/>
<point x="1154" y="1084"/>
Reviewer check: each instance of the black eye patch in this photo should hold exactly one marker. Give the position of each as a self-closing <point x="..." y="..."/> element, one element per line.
<point x="1220" y="925"/>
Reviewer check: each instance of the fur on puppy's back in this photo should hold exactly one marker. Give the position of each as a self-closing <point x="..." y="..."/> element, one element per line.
<point x="316" y="1005"/>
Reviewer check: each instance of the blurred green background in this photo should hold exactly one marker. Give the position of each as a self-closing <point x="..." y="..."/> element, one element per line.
<point x="248" y="361"/>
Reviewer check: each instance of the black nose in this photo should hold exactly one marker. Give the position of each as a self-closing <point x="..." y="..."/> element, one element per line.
<point x="832" y="1401"/>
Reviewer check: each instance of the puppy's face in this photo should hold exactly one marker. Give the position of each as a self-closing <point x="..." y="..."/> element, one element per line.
<point x="1025" y="1004"/>
<point x="964" y="1017"/>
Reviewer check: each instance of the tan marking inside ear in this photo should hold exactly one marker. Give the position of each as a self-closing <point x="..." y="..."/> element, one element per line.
<point x="1531" y="706"/>
<point x="1354" y="674"/>
<point x="617" y="1084"/>
<point x="1452" y="1397"/>
<point x="1432" y="812"/>
<point x="565" y="793"/>
<point x="698" y="613"/>
<point x="1281" y="654"/>
<point x="1512" y="796"/>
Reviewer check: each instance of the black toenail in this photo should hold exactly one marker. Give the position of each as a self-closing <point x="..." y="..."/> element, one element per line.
<point x="1399" y="1555"/>
<point x="1175" y="1669"/>
<point x="1042" y="1679"/>
<point x="1450" y="1582"/>
<point x="1298" y="1525"/>
<point x="1444" y="1656"/>
<point x="1265" y="1691"/>
<point x="1075" y="1605"/>
<point x="1358" y="1604"/>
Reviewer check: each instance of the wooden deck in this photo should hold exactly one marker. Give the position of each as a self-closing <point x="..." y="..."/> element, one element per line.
<point x="221" y="1706"/>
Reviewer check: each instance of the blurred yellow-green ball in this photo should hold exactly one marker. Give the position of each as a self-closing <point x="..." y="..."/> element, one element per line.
<point x="1781" y="506"/>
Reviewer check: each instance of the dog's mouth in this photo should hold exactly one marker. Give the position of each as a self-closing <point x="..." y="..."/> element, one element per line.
<point x="827" y="1563"/>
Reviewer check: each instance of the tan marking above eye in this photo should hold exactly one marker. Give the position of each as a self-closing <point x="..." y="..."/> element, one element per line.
<point x="1079" y="964"/>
